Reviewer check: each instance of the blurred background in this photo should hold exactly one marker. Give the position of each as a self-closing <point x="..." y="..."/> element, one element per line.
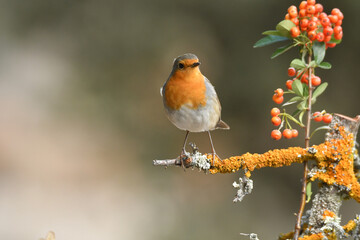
<point x="82" y="119"/>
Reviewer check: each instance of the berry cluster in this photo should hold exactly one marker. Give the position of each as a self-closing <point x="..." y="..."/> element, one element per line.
<point x="320" y="116"/>
<point x="276" y="121"/>
<point x="312" y="22"/>
<point x="303" y="76"/>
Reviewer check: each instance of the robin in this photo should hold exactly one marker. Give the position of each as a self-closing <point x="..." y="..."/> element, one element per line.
<point x="190" y="100"/>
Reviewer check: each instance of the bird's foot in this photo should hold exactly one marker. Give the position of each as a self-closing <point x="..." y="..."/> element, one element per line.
<point x="183" y="157"/>
<point x="213" y="158"/>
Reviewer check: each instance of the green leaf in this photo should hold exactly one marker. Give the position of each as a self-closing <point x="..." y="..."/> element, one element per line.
<point x="292" y="101"/>
<point x="334" y="40"/>
<point x="324" y="65"/>
<point x="302" y="105"/>
<point x="281" y="50"/>
<point x="296" y="112"/>
<point x="320" y="128"/>
<point x="301" y="115"/>
<point x="270" y="39"/>
<point x="319" y="51"/>
<point x="297" y="63"/>
<point x="308" y="192"/>
<point x="293" y="119"/>
<point x="289" y="103"/>
<point x="297" y="87"/>
<point x="305" y="90"/>
<point x="271" y="32"/>
<point x="319" y="90"/>
<point x="284" y="28"/>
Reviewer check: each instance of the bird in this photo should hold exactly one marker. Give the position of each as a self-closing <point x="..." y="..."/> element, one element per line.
<point x="190" y="100"/>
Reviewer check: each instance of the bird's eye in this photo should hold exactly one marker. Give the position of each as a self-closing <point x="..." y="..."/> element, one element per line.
<point x="181" y="65"/>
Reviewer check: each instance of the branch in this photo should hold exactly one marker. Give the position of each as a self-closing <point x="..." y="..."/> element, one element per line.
<point x="337" y="163"/>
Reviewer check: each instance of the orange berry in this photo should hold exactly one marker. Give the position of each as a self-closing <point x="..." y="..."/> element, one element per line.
<point x="304" y="23"/>
<point x="319" y="8"/>
<point x="276" y="134"/>
<point x="276" y="121"/>
<point x="338" y="23"/>
<point x="293" y="14"/>
<point x="328" y="31"/>
<point x="292" y="7"/>
<point x="337" y="29"/>
<point x="333" y="18"/>
<point x="317" y="116"/>
<point x="302" y="12"/>
<point x="311" y="2"/>
<point x="274" y="112"/>
<point x="312" y="35"/>
<point x="278" y="99"/>
<point x="331" y="45"/>
<point x="294" y="133"/>
<point x="310" y="9"/>
<point x="325" y="21"/>
<point x="305" y="78"/>
<point x="327" y="118"/>
<point x="340" y="16"/>
<point x="289" y="84"/>
<point x="327" y="39"/>
<point x="287" y="133"/>
<point x="335" y="11"/>
<point x="312" y="25"/>
<point x="338" y="36"/>
<point x="287" y="17"/>
<point x="322" y="15"/>
<point x="291" y="71"/>
<point x="295" y="20"/>
<point x="315" y="81"/>
<point x="315" y="19"/>
<point x="303" y="5"/>
<point x="294" y="32"/>
<point x="320" y="36"/>
<point x="279" y="92"/>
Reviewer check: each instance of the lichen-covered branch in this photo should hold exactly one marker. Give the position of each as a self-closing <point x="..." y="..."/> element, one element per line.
<point x="334" y="157"/>
<point x="337" y="170"/>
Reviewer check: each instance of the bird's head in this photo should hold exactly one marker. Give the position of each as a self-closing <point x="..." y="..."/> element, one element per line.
<point x="187" y="63"/>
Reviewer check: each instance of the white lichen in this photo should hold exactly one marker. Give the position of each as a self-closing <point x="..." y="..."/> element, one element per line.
<point x="245" y="187"/>
<point x="252" y="236"/>
<point x="200" y="161"/>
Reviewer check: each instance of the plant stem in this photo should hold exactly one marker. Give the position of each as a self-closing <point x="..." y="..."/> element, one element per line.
<point x="307" y="144"/>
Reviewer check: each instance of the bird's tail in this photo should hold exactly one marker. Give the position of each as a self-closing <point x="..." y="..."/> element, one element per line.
<point x="222" y="125"/>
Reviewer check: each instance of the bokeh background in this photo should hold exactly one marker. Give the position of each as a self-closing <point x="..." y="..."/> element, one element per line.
<point x="82" y="119"/>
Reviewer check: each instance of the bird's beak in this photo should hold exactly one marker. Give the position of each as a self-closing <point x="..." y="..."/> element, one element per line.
<point x="195" y="64"/>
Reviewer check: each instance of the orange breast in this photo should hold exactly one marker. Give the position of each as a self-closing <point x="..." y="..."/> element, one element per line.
<point x="186" y="87"/>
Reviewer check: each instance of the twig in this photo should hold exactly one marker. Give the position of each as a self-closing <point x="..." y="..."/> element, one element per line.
<point x="307" y="144"/>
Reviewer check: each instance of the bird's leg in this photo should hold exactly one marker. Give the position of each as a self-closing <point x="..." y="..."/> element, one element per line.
<point x="183" y="149"/>
<point x="213" y="149"/>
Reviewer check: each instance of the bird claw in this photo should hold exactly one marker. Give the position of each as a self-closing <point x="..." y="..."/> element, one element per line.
<point x="184" y="159"/>
<point x="213" y="158"/>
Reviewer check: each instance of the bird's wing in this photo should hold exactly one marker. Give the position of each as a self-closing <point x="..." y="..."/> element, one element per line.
<point x="211" y="92"/>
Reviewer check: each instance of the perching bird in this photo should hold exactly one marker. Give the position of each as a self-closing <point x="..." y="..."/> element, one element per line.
<point x="190" y="100"/>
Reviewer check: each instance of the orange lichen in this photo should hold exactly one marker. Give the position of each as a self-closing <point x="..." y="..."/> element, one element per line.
<point x="334" y="157"/>
<point x="349" y="226"/>
<point x="285" y="236"/>
<point x="248" y="161"/>
<point x="328" y="213"/>
<point x="317" y="236"/>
